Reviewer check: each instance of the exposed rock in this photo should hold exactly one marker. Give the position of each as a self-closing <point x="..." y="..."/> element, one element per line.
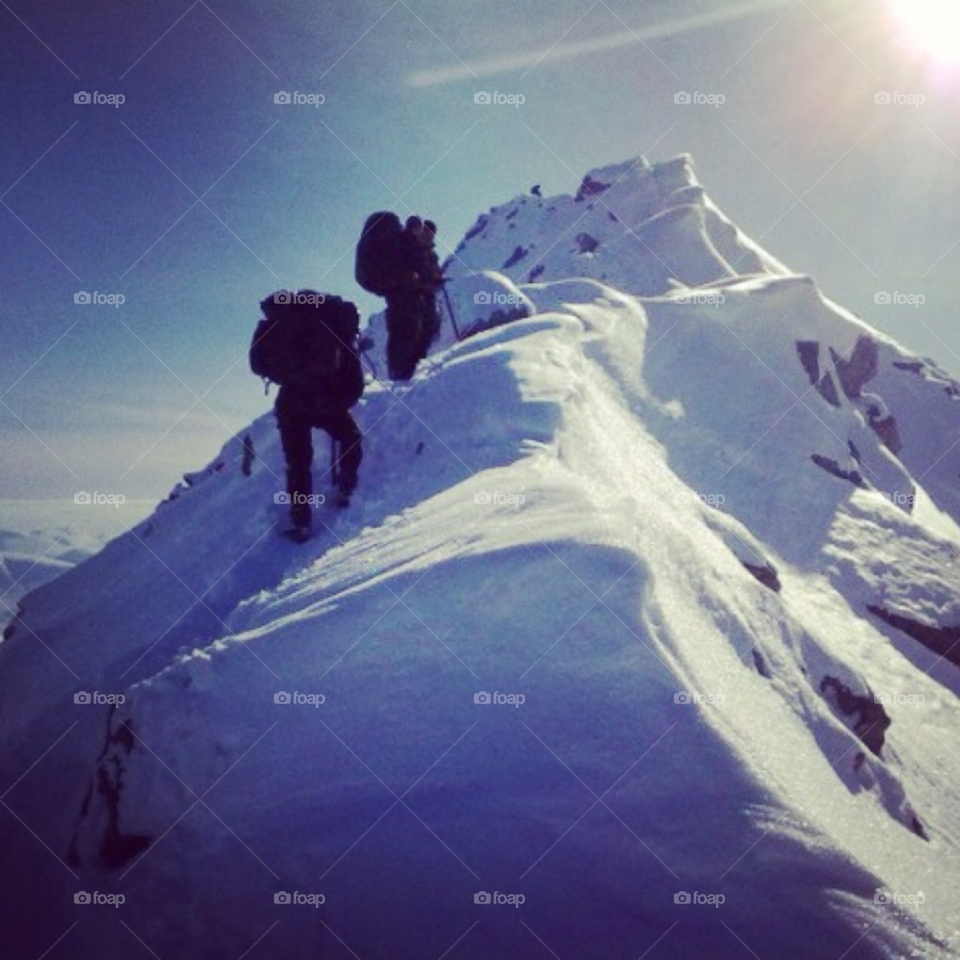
<point x="882" y="422"/>
<point x="496" y="319"/>
<point x="476" y="229"/>
<point x="944" y="641"/>
<point x="761" y="664"/>
<point x="831" y="466"/>
<point x="809" y="352"/>
<point x="766" y="574"/>
<point x="590" y="188"/>
<point x="872" y="720"/>
<point x="518" y="254"/>
<point x="859" y="369"/>
<point x="116" y="848"/>
<point x="828" y="390"/>
<point x="586" y="243"/>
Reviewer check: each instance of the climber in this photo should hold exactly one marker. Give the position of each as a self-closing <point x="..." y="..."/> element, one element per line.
<point x="307" y="342"/>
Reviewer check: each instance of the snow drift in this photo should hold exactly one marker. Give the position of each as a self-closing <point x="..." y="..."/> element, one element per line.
<point x="641" y="636"/>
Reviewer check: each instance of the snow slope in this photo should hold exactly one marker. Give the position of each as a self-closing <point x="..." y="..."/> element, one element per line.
<point x="653" y="515"/>
<point x="40" y="539"/>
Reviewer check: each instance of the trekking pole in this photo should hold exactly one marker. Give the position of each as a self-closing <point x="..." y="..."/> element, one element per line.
<point x="453" y="319"/>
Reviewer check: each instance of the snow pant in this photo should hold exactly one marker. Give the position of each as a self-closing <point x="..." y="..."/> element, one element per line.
<point x="412" y="325"/>
<point x="298" y="413"/>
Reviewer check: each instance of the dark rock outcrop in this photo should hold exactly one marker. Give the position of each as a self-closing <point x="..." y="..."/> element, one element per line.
<point x="859" y="369"/>
<point x="809" y="353"/>
<point x="944" y="641"/>
<point x="586" y="243"/>
<point x="766" y="574"/>
<point x="871" y="719"/>
<point x="518" y="254"/>
<point x="832" y="467"/>
<point x="590" y="188"/>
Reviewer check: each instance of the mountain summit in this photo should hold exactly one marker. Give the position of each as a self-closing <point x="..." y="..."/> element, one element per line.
<point x="641" y="638"/>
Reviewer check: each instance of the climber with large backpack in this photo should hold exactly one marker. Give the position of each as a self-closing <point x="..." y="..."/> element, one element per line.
<point x="398" y="262"/>
<point x="307" y="342"/>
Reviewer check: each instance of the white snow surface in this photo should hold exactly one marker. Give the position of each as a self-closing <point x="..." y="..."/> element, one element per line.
<point x="559" y="507"/>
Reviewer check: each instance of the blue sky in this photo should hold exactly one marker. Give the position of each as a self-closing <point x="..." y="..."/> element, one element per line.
<point x="199" y="195"/>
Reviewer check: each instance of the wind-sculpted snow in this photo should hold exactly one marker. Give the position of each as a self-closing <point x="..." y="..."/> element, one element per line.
<point x="595" y="636"/>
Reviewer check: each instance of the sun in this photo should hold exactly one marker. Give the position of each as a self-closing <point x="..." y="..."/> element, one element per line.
<point x="932" y="25"/>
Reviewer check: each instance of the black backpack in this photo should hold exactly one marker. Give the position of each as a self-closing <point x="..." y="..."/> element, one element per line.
<point x="380" y="258"/>
<point x="310" y="341"/>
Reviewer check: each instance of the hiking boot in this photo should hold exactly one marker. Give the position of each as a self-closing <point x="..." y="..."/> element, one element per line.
<point x="300" y="514"/>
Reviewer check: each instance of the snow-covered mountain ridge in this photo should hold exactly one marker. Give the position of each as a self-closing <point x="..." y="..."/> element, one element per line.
<point x="703" y="519"/>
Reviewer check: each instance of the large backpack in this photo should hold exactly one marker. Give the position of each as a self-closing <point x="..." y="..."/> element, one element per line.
<point x="379" y="263"/>
<point x="310" y="341"/>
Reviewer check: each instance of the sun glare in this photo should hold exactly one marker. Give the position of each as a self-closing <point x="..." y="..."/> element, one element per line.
<point x="932" y="25"/>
